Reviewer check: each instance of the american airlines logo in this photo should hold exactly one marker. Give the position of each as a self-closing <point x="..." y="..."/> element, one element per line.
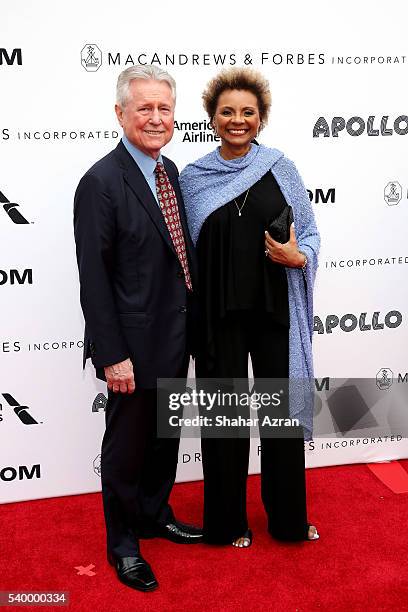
<point x="11" y="208"/>
<point x="20" y="410"/>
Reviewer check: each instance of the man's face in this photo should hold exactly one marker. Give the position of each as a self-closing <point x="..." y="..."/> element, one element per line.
<point x="147" y="118"/>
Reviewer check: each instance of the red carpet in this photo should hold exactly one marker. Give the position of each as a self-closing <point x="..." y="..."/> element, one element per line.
<point x="391" y="474"/>
<point x="359" y="563"/>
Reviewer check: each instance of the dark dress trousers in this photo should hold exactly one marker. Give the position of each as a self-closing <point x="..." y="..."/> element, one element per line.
<point x="135" y="304"/>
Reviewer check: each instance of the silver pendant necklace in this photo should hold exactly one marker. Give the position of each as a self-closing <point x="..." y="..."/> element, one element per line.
<point x="239" y="208"/>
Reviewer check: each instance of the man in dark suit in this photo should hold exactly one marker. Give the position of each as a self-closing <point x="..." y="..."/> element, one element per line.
<point x="137" y="270"/>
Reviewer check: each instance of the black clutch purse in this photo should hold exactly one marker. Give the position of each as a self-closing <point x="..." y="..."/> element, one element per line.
<point x="279" y="228"/>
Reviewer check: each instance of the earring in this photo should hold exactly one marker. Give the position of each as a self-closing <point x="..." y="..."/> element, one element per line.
<point x="214" y="130"/>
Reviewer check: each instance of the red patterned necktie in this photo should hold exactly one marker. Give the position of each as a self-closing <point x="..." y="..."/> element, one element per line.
<point x="169" y="207"/>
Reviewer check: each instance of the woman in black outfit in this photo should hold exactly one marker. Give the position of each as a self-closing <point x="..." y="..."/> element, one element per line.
<point x="245" y="311"/>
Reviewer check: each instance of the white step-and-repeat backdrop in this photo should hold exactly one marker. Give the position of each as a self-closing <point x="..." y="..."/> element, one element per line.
<point x="338" y="75"/>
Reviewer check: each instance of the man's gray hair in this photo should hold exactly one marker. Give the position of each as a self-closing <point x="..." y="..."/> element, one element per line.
<point x="141" y="72"/>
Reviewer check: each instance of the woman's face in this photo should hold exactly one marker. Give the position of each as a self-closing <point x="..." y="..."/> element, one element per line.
<point x="236" y="118"/>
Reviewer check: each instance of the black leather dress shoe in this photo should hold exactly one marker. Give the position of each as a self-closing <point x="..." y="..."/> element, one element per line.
<point x="135" y="572"/>
<point x="180" y="533"/>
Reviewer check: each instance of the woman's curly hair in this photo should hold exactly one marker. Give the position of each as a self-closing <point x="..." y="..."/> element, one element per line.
<point x="245" y="79"/>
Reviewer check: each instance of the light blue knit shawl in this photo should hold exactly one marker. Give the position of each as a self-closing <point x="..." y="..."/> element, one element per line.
<point x="209" y="183"/>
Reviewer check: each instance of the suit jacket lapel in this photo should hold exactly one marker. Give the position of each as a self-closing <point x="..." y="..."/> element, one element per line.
<point x="138" y="184"/>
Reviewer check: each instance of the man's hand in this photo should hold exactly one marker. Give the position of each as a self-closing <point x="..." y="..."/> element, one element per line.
<point x="120" y="377"/>
<point x="286" y="254"/>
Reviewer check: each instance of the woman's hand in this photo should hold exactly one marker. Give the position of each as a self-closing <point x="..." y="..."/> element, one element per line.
<point x="286" y="254"/>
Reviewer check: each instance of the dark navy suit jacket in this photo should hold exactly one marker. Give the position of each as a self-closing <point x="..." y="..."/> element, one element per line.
<point x="133" y="293"/>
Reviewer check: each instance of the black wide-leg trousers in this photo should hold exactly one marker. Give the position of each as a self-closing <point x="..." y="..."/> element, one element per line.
<point x="225" y="460"/>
